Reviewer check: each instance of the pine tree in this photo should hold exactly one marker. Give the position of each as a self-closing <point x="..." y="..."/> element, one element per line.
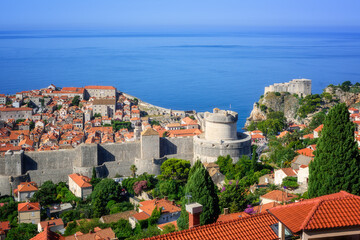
<point x="203" y="191"/>
<point x="337" y="162"/>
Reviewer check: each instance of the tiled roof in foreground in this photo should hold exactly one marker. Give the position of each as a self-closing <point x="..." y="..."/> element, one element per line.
<point x="340" y="209"/>
<point x="256" y="227"/>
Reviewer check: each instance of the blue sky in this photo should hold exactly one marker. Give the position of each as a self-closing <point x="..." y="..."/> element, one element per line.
<point x="177" y="14"/>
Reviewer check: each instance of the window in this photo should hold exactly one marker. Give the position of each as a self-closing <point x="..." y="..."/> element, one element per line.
<point x="33" y="214"/>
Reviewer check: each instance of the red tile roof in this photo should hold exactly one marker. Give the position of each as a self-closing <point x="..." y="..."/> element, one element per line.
<point x="278" y="195"/>
<point x="231" y="216"/>
<point x="162" y="226"/>
<point x="4" y="226"/>
<point x="48" y="235"/>
<point x="81" y="181"/>
<point x="166" y="206"/>
<point x="319" y="128"/>
<point x="253" y="227"/>
<point x="306" y="152"/>
<point x="141" y="216"/>
<point x="309" y="136"/>
<point x="28" y="207"/>
<point x="100" y="87"/>
<point x="51" y="223"/>
<point x="289" y="172"/>
<point x="27" y="187"/>
<point x="99" y="234"/>
<point x="15" y="109"/>
<point x="340" y="209"/>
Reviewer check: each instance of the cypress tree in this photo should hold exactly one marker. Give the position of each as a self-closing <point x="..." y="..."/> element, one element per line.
<point x="203" y="191"/>
<point x="336" y="165"/>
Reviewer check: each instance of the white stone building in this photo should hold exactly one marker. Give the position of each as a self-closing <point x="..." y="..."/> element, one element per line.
<point x="301" y="87"/>
<point x="80" y="185"/>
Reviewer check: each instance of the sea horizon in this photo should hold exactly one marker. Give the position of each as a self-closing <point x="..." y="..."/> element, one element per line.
<point x="182" y="71"/>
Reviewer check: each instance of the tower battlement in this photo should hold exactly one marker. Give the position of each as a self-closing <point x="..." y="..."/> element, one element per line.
<point x="301" y="87"/>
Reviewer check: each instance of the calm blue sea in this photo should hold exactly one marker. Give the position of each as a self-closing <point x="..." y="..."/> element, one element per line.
<point x="178" y="71"/>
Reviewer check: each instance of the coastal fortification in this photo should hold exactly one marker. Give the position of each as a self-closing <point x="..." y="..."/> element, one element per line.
<point x="301" y="87"/>
<point x="147" y="153"/>
<point x="221" y="137"/>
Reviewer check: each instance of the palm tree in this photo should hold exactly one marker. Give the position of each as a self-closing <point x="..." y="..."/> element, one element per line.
<point x="133" y="169"/>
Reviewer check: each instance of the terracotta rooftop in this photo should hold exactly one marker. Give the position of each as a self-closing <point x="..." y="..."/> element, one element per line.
<point x="306" y="152"/>
<point x="336" y="210"/>
<point x="319" y="128"/>
<point x="141" y="216"/>
<point x="165" y="205"/>
<point x="48" y="235"/>
<point x="27" y="187"/>
<point x="278" y="195"/>
<point x="253" y="227"/>
<point x="51" y="223"/>
<point x="100" y="87"/>
<point x="28" y="207"/>
<point x="162" y="226"/>
<point x="99" y="234"/>
<point x="15" y="109"/>
<point x="117" y="216"/>
<point x="289" y="172"/>
<point x="81" y="181"/>
<point x="231" y="216"/>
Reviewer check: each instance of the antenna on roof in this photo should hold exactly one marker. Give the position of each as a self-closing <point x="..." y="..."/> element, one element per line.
<point x="188" y="196"/>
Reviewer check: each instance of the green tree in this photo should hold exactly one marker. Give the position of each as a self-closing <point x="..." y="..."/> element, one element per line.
<point x="176" y="169"/>
<point x="46" y="195"/>
<point x="317" y="120"/>
<point x="337" y="161"/>
<point x="24" y="231"/>
<point x="94" y="180"/>
<point x="75" y="101"/>
<point x="290" y="182"/>
<point x="203" y="191"/>
<point x="105" y="191"/>
<point x="233" y="196"/>
<point x="133" y="170"/>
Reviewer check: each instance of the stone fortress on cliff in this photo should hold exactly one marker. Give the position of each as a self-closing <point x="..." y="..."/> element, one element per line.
<point x="148" y="153"/>
<point x="301" y="87"/>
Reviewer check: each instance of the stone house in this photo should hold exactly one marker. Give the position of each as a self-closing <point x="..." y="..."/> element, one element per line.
<point x="276" y="196"/>
<point x="303" y="174"/>
<point x="105" y="107"/>
<point x="3" y="99"/>
<point x="169" y="211"/>
<point x="4" y="228"/>
<point x="173" y="126"/>
<point x="80" y="185"/>
<point x="100" y="92"/>
<point x="54" y="225"/>
<point x="15" y="113"/>
<point x="97" y="234"/>
<point x="318" y="130"/>
<point x="282" y="173"/>
<point x="29" y="212"/>
<point x="25" y="191"/>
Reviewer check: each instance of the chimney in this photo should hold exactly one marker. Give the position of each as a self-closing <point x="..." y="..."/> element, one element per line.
<point x="226" y="211"/>
<point x="281" y="231"/>
<point x="165" y="198"/>
<point x="173" y="202"/>
<point x="194" y="210"/>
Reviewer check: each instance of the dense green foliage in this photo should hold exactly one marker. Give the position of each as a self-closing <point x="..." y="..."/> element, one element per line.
<point x="274" y="123"/>
<point x="176" y="169"/>
<point x="233" y="196"/>
<point x="75" y="101"/>
<point x="23" y="231"/>
<point x="290" y="182"/>
<point x="309" y="104"/>
<point x="105" y="191"/>
<point x="8" y="212"/>
<point x="246" y="170"/>
<point x="117" y="125"/>
<point x="46" y="195"/>
<point x="128" y="183"/>
<point x="317" y="120"/>
<point x="336" y="165"/>
<point x="203" y="191"/>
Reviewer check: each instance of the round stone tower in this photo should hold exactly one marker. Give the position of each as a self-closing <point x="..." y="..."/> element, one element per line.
<point x="221" y="125"/>
<point x="221" y="138"/>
